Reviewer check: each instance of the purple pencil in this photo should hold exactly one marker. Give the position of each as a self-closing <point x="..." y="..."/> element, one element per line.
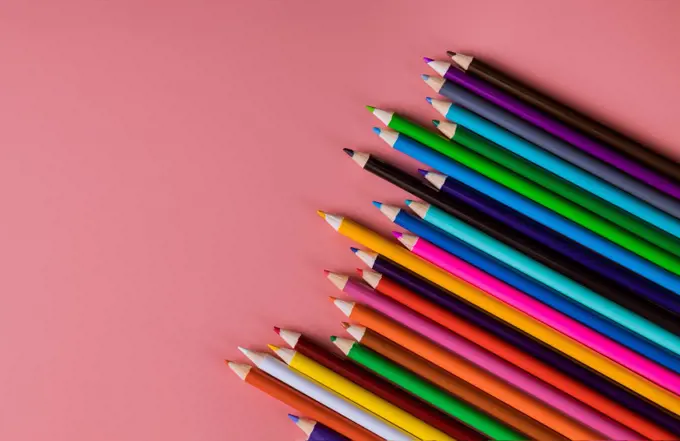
<point x="316" y="431"/>
<point x="554" y="127"/>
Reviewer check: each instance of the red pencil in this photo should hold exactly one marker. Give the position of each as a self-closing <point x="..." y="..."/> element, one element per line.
<point x="379" y="387"/>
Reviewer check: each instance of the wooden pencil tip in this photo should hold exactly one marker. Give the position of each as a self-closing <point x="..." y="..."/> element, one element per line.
<point x="277" y="330"/>
<point x="273" y="348"/>
<point x="332" y="299"/>
<point x="321" y="213"/>
<point x="345" y="325"/>
<point x="360" y="271"/>
<point x="450" y="53"/>
<point x="326" y="272"/>
<point x="370" y="108"/>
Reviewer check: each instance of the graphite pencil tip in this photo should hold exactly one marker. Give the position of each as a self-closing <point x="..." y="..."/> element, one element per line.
<point x="436" y="122"/>
<point x="370" y="108"/>
<point x="423" y="172"/>
<point x="425" y="77"/>
<point x="428" y="99"/>
<point x="277" y="330"/>
<point x="349" y="152"/>
<point x="428" y="60"/>
<point x="450" y="53"/>
<point x="294" y="418"/>
<point x="376" y="130"/>
<point x="397" y="234"/>
<point x="377" y="204"/>
<point x="354" y="250"/>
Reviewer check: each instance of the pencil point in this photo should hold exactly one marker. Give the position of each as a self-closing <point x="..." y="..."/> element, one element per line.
<point x="376" y="130"/>
<point x="377" y="204"/>
<point x="326" y="272"/>
<point x="370" y="108"/>
<point x="321" y="213"/>
<point x="360" y="271"/>
<point x="345" y="325"/>
<point x="428" y="99"/>
<point x="436" y="122"/>
<point x="332" y="299"/>
<point x="273" y="348"/>
<point x="354" y="250"/>
<point x="428" y="60"/>
<point x="423" y="172"/>
<point x="425" y="77"/>
<point x="349" y="152"/>
<point x="333" y="337"/>
<point x="294" y="418"/>
<point x="277" y="330"/>
<point x="397" y="234"/>
<point x="450" y="53"/>
<point x="409" y="201"/>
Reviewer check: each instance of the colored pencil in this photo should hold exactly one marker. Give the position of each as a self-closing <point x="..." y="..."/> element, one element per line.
<point x="543" y="313"/>
<point x="398" y="276"/>
<point x="482" y="358"/>
<point x="469" y="373"/>
<point x="567" y="115"/>
<point x="462" y="135"/>
<point x="358" y="395"/>
<point x="412" y="133"/>
<point x="554" y="127"/>
<point x="302" y="403"/>
<point x="514" y="355"/>
<point x="553" y="279"/>
<point x="604" y="271"/>
<point x="527" y="206"/>
<point x="533" y="288"/>
<point x="378" y="386"/>
<point x="316" y="431"/>
<point x="333" y="401"/>
<point x="557" y="156"/>
<point x="526" y="235"/>
<point x="444" y="390"/>
<point x="472" y="294"/>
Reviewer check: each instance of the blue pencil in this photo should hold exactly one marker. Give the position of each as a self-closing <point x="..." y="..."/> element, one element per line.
<point x="535" y="211"/>
<point x="576" y="167"/>
<point x="316" y="431"/>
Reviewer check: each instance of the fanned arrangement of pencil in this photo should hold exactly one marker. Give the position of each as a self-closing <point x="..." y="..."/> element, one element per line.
<point x="532" y="292"/>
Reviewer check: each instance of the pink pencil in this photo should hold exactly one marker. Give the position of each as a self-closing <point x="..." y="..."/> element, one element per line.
<point x="532" y="307"/>
<point x="483" y="358"/>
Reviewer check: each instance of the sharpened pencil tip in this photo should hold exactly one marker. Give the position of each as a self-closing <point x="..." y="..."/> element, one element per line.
<point x="409" y="201"/>
<point x="377" y="204"/>
<point x="294" y="418"/>
<point x="334" y="337"/>
<point x="423" y="172"/>
<point x="354" y="250"/>
<point x="370" y="108"/>
<point x="425" y="77"/>
<point x="273" y="348"/>
<point x="436" y="122"/>
<point x="321" y="213"/>
<point x="277" y="330"/>
<point x="349" y="152"/>
<point x="360" y="271"/>
<point x="428" y="99"/>
<point x="326" y="272"/>
<point x="332" y="299"/>
<point x="345" y="325"/>
<point x="397" y="234"/>
<point x="376" y="130"/>
<point x="450" y="53"/>
<point x="227" y="362"/>
<point x="428" y="60"/>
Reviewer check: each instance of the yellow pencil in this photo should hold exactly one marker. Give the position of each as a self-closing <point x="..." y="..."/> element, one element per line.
<point x="472" y="294"/>
<point x="359" y="395"/>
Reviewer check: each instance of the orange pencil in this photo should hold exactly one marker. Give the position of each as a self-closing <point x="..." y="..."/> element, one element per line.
<point x="517" y="357"/>
<point x="466" y="371"/>
<point x="303" y="404"/>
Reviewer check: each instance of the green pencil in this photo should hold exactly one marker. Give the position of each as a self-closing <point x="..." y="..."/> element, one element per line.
<point x="522" y="167"/>
<point x="426" y="391"/>
<point x="526" y="188"/>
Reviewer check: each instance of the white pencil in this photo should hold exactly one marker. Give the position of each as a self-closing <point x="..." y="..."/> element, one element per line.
<point x="333" y="401"/>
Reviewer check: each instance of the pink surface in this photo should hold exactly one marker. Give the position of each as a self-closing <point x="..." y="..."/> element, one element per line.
<point x="547" y="315"/>
<point x="488" y="361"/>
<point x="154" y="210"/>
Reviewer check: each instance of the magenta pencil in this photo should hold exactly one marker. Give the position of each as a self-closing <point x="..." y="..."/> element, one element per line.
<point x="532" y="307"/>
<point x="483" y="359"/>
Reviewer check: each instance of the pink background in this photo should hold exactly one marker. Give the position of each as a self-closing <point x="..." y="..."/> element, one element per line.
<point x="162" y="161"/>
